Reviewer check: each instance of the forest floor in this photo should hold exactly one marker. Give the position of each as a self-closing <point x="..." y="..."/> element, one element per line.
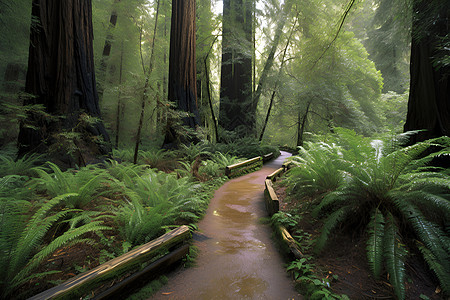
<point x="345" y="256"/>
<point x="237" y="259"/>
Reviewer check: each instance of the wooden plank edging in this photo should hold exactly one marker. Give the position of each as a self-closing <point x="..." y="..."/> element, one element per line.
<point x="242" y="165"/>
<point x="275" y="174"/>
<point x="271" y="199"/>
<point x="290" y="242"/>
<point x="124" y="262"/>
<point x="273" y="206"/>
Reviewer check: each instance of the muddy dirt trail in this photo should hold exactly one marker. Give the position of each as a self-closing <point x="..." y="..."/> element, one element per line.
<point x="237" y="258"/>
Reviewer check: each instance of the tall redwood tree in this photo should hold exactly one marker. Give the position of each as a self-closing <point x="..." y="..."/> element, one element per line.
<point x="182" y="71"/>
<point x="429" y="99"/>
<point x="61" y="77"/>
<point x="237" y="111"/>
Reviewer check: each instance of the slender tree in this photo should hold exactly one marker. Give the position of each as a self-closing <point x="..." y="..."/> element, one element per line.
<point x="107" y="49"/>
<point x="182" y="71"/>
<point x="429" y="104"/>
<point x="62" y="79"/>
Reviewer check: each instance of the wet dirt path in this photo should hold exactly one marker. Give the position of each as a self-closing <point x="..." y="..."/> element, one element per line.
<point x="237" y="258"/>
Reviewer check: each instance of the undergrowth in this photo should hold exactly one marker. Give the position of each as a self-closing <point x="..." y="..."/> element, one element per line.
<point x="392" y="192"/>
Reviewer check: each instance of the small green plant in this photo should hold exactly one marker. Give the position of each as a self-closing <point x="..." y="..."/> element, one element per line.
<point x="22" y="166"/>
<point x="123" y="155"/>
<point x="191" y="152"/>
<point x="285" y="219"/>
<point x="159" y="159"/>
<point x="312" y="286"/>
<point x="87" y="183"/>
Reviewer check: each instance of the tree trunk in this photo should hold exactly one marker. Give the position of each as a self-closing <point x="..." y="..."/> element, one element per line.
<point x="429" y="105"/>
<point x="61" y="76"/>
<point x="236" y="109"/>
<point x="106" y="51"/>
<point x="270" y="59"/>
<point x="146" y="86"/>
<point x="279" y="75"/>
<point x="182" y="71"/>
<point x="12" y="74"/>
<point x="302" y="124"/>
<point x="119" y="99"/>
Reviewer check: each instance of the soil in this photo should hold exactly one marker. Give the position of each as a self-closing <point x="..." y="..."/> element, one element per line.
<point x="345" y="256"/>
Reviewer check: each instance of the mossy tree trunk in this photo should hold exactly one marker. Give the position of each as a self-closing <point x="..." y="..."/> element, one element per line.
<point x="61" y="77"/>
<point x="182" y="87"/>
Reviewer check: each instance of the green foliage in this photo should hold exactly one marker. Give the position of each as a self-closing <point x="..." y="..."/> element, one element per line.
<point x="158" y="159"/>
<point x="125" y="155"/>
<point x="285" y="219"/>
<point x="389" y="191"/>
<point x="191" y="152"/>
<point x="243" y="148"/>
<point x="86" y="183"/>
<point x="140" y="224"/>
<point x="312" y="286"/>
<point x="318" y="171"/>
<point x="21" y="166"/>
<point x="21" y="239"/>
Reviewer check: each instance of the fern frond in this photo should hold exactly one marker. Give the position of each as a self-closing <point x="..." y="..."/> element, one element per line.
<point x="67" y="237"/>
<point x="437" y="267"/>
<point x="332" y="221"/>
<point x="375" y="242"/>
<point x="394" y="253"/>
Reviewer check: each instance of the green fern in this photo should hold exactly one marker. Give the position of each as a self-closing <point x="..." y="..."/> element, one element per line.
<point x="140" y="224"/>
<point x="318" y="171"/>
<point x="21" y="239"/>
<point x="395" y="253"/>
<point x="87" y="183"/>
<point x="394" y="182"/>
<point x="333" y="221"/>
<point x="375" y="243"/>
<point x="21" y="166"/>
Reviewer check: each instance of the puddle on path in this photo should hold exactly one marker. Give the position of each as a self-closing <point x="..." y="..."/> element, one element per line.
<point x="237" y="259"/>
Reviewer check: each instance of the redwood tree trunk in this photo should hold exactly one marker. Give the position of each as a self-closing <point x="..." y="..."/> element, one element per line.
<point x="236" y="109"/>
<point x="61" y="77"/>
<point x="429" y="99"/>
<point x="182" y="70"/>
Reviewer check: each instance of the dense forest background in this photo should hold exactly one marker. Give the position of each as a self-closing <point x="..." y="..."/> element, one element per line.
<point x="118" y="118"/>
<point x="304" y="68"/>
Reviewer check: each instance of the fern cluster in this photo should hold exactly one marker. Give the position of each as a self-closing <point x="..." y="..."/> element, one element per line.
<point x="390" y="191"/>
<point x="21" y="237"/>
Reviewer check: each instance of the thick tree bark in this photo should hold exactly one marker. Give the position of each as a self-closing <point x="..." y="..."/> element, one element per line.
<point x="429" y="100"/>
<point x="182" y="70"/>
<point x="236" y="109"/>
<point x="61" y="77"/>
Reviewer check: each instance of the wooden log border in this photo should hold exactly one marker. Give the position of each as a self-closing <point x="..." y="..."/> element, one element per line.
<point x="243" y="167"/>
<point x="273" y="206"/>
<point x="83" y="283"/>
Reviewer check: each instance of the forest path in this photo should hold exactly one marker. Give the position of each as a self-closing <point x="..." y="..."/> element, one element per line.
<point x="237" y="258"/>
